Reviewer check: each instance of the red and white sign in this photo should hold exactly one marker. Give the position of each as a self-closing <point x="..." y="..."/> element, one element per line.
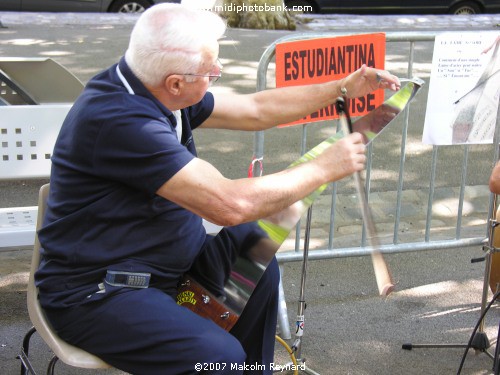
<point x="320" y="60"/>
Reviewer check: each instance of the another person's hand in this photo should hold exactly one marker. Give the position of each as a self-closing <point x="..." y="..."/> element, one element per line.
<point x="494" y="182"/>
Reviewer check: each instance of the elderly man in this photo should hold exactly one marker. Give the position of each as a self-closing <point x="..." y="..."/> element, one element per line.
<point x="128" y="195"/>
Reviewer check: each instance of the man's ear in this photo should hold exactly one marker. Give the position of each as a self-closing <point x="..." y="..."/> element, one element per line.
<point x="174" y="84"/>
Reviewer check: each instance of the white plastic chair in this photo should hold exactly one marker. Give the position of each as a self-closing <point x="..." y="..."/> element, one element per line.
<point x="68" y="354"/>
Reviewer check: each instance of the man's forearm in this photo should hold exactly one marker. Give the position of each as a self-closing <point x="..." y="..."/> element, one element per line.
<point x="265" y="109"/>
<point x="286" y="104"/>
<point x="268" y="108"/>
<point x="200" y="188"/>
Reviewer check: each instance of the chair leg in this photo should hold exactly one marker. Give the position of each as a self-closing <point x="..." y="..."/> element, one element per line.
<point x="52" y="365"/>
<point x="25" y="362"/>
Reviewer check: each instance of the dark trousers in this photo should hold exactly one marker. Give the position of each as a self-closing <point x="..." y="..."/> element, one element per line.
<point x="144" y="331"/>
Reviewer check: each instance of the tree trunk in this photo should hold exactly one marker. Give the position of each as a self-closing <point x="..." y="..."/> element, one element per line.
<point x="256" y="14"/>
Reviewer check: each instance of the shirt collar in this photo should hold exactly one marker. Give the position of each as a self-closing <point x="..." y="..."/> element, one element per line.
<point x="130" y="81"/>
<point x="135" y="87"/>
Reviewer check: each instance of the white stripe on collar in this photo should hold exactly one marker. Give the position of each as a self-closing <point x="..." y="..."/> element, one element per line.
<point x="177" y="114"/>
<point x="124" y="81"/>
<point x="178" y="127"/>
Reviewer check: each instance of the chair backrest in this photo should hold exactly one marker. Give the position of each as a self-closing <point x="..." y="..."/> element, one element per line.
<point x="69" y="354"/>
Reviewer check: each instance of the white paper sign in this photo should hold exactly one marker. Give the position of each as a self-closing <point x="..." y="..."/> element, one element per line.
<point x="464" y="89"/>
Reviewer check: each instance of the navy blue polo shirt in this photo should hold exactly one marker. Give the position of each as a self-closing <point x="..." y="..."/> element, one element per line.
<point x="116" y="147"/>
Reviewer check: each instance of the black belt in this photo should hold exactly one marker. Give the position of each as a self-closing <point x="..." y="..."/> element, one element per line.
<point x="128" y="279"/>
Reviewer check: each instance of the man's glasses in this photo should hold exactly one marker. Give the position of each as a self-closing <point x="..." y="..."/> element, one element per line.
<point x="213" y="76"/>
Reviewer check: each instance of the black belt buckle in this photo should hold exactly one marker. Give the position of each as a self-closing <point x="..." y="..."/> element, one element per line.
<point x="128" y="279"/>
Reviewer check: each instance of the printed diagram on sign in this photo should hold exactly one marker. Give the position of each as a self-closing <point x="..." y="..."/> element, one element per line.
<point x="464" y="89"/>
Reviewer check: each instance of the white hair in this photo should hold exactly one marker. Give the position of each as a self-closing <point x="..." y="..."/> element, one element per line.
<point x="169" y="39"/>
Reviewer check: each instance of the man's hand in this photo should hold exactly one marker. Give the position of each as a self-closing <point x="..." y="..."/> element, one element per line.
<point x="343" y="158"/>
<point x="365" y="80"/>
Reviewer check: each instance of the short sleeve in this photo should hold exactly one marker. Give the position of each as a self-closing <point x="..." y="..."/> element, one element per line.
<point x="142" y="153"/>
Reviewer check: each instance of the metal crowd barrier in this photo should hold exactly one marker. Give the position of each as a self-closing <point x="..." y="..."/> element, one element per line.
<point x="396" y="245"/>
